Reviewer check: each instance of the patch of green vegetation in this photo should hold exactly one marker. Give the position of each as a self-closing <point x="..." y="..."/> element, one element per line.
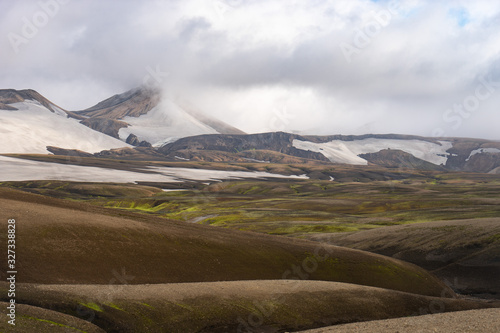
<point x="393" y="270"/>
<point x="449" y="228"/>
<point x="327" y="259"/>
<point x="252" y="189"/>
<point x="114" y="306"/>
<point x="296" y="188"/>
<point x="222" y="220"/>
<point x="53" y="323"/>
<point x="299" y="207"/>
<point x="318" y="228"/>
<point x="148" y="305"/>
<point x="93" y="306"/>
<point x="185" y="306"/>
<point x="494" y="238"/>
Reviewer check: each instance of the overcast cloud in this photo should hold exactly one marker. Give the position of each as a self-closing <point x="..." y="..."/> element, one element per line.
<point x="318" y="66"/>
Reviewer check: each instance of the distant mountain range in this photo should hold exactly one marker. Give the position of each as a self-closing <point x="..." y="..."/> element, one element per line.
<point x="143" y="124"/>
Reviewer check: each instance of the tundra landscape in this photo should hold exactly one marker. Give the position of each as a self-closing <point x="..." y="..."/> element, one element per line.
<point x="258" y="255"/>
<point x="249" y="166"/>
<point x="247" y="233"/>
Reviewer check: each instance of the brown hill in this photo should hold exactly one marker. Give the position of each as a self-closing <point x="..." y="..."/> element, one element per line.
<point x="236" y="306"/>
<point x="31" y="319"/>
<point x="392" y="158"/>
<point x="466" y="253"/>
<point x="133" y="103"/>
<point x="473" y="321"/>
<point x="66" y="242"/>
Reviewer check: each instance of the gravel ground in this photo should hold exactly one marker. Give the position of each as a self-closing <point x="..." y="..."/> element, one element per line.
<point x="473" y="321"/>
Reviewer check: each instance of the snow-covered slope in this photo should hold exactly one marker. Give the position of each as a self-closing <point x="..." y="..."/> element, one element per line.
<point x="348" y="152"/>
<point x="15" y="169"/>
<point x="33" y="127"/>
<point x="152" y="117"/>
<point x="482" y="151"/>
<point x="164" y="123"/>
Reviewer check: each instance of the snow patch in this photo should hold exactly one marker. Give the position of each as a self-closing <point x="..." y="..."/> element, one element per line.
<point x="33" y="127"/>
<point x="15" y="169"/>
<point x="483" y="150"/>
<point x="254" y="160"/>
<point x="166" y="142"/>
<point x="58" y="111"/>
<point x="347" y="152"/>
<point x="164" y="124"/>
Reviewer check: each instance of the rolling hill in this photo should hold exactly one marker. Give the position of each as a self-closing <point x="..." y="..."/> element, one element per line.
<point x="128" y="272"/>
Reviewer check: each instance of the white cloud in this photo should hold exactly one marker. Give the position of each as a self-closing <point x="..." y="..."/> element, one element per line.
<point x="238" y="59"/>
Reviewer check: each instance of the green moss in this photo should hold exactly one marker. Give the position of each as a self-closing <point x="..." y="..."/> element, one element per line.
<point x="297" y="208"/>
<point x="318" y="228"/>
<point x="494" y="238"/>
<point x="328" y="260"/>
<point x="184" y="306"/>
<point x="53" y="323"/>
<point x="251" y="189"/>
<point x="392" y="270"/>
<point x="93" y="306"/>
<point x="114" y="306"/>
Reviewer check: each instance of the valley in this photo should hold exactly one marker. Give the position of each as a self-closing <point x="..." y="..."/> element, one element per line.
<point x="250" y="166"/>
<point x="163" y="218"/>
<point x="439" y="221"/>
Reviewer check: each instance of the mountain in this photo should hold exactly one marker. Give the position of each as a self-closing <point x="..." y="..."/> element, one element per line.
<point x="144" y="124"/>
<point x="11" y="96"/>
<point x="390" y="150"/>
<point x="142" y="116"/>
<point x="29" y="123"/>
<point x="139" y="117"/>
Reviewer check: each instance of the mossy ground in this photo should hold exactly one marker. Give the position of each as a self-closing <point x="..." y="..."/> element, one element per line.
<point x="288" y="207"/>
<point x="267" y="306"/>
<point x="298" y="207"/>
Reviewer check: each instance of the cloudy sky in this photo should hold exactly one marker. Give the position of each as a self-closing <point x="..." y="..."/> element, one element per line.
<point x="420" y="67"/>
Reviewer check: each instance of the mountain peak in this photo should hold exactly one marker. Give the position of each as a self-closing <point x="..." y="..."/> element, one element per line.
<point x="134" y="103"/>
<point x="149" y="115"/>
<point x="11" y="96"/>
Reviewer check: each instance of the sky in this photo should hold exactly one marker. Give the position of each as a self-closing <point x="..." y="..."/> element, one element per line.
<point x="422" y="67"/>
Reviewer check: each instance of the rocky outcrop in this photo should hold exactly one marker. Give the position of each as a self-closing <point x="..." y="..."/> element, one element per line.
<point x="276" y="141"/>
<point x="134" y="141"/>
<point x="68" y="152"/>
<point x="399" y="159"/>
<point x="11" y="96"/>
<point x="7" y="107"/>
<point x="107" y="126"/>
<point x="133" y="103"/>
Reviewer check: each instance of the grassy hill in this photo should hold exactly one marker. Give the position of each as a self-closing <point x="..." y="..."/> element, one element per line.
<point x="237" y="306"/>
<point x="77" y="243"/>
<point x="463" y="252"/>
